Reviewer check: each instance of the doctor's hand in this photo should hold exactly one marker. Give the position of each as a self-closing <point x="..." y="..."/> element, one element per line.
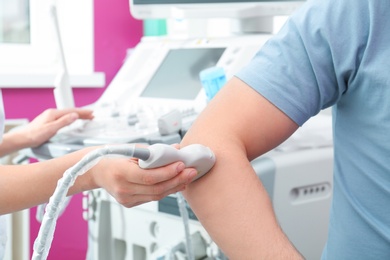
<point x="131" y="186"/>
<point x="41" y="129"/>
<point x="46" y="125"/>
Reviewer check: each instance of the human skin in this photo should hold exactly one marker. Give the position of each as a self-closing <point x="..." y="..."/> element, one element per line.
<point x="25" y="186"/>
<point x="230" y="201"/>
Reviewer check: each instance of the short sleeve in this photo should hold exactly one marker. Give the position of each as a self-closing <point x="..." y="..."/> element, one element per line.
<point x="306" y="67"/>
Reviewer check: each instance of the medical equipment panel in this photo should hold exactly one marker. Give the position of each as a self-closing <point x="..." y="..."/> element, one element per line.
<point x="159" y="76"/>
<point x="176" y="63"/>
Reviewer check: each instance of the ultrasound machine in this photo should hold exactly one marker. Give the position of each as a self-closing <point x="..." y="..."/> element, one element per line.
<point x="155" y="97"/>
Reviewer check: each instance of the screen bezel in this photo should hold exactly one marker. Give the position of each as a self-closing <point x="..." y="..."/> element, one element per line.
<point x="174" y="9"/>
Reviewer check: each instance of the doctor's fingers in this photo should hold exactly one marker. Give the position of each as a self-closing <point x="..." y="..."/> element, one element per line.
<point x="130" y="185"/>
<point x="156" y="175"/>
<point x="132" y="193"/>
<point x="65" y="117"/>
<point x="161" y="187"/>
<point x="81" y="113"/>
<point x="137" y="199"/>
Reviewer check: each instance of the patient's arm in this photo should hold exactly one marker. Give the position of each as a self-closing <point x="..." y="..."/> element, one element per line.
<point x="230" y="201"/>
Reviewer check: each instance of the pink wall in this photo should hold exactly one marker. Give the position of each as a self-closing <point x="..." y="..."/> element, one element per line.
<point x="115" y="32"/>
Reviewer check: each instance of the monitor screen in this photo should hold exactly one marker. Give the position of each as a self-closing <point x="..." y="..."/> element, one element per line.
<point x="178" y="75"/>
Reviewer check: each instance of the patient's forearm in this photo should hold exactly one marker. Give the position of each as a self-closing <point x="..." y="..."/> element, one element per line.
<point x="234" y="208"/>
<point x="230" y="200"/>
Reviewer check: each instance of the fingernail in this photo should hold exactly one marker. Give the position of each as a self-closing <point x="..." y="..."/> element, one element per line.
<point x="180" y="167"/>
<point x="192" y="174"/>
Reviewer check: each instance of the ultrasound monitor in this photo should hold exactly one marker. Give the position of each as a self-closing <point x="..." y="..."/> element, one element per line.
<point x="165" y="73"/>
<point x="152" y="9"/>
